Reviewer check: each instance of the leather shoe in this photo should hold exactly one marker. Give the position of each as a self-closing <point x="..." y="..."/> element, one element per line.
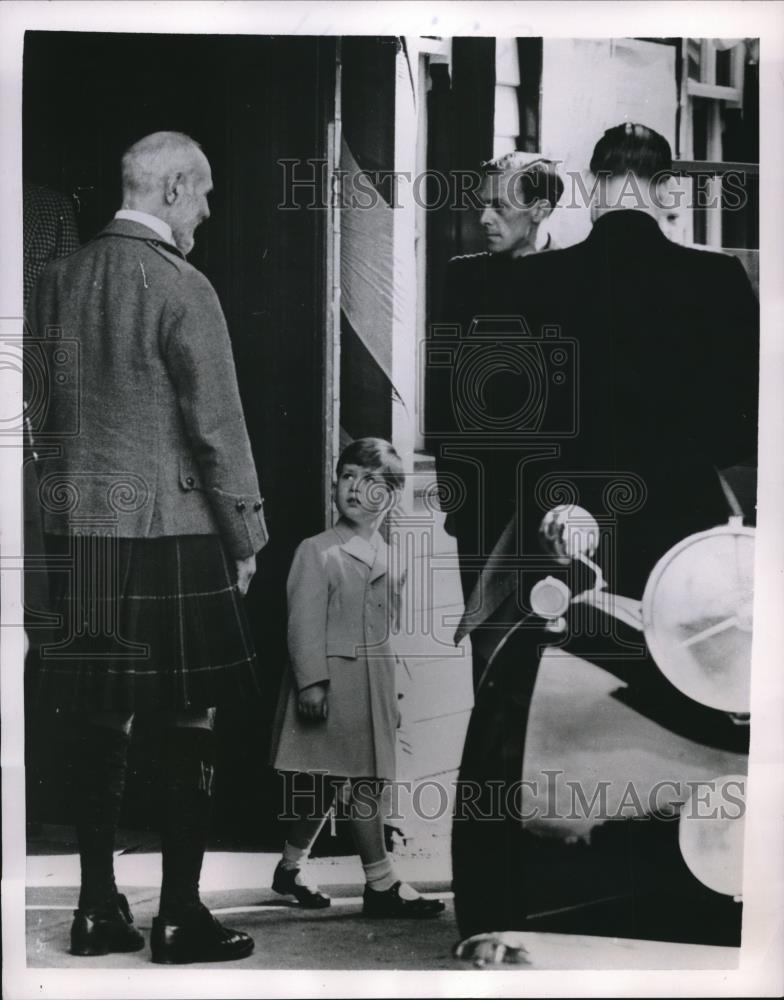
<point x="99" y="930"/>
<point x="289" y="882"/>
<point x="201" y="938"/>
<point x="389" y="903"/>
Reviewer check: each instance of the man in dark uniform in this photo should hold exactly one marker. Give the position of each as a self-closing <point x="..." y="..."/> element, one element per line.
<point x="641" y="383"/>
<point x="152" y="508"/>
<point x="481" y="292"/>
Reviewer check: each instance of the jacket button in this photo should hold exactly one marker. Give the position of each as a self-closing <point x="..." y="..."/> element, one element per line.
<point x="190" y="481"/>
<point x="257" y="505"/>
<point x="240" y="505"/>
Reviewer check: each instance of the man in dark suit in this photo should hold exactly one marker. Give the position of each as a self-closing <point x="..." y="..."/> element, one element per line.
<point x="151" y="504"/>
<point x="631" y="380"/>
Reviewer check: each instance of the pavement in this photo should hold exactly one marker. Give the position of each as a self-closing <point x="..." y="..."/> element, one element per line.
<point x="235" y="886"/>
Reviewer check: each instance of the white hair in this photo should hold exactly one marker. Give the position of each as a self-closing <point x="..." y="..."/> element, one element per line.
<point x="148" y="162"/>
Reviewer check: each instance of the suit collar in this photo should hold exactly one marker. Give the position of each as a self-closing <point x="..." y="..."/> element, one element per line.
<point x="373" y="552"/>
<point x="136" y="231"/>
<point x="163" y="229"/>
<point x="626" y="226"/>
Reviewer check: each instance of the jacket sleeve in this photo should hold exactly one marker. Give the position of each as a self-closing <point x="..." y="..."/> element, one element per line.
<point x="307" y="591"/>
<point x="197" y="352"/>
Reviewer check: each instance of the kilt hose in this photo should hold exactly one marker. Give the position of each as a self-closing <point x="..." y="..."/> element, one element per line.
<point x="145" y="624"/>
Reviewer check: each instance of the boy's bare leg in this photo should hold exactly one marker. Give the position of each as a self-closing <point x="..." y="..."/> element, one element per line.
<point x="385" y="894"/>
<point x="300" y="838"/>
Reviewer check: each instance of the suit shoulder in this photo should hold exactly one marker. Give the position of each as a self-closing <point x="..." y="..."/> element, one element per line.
<point x="715" y="266"/>
<point x="191" y="286"/>
<point x="698" y="253"/>
<point x="177" y="262"/>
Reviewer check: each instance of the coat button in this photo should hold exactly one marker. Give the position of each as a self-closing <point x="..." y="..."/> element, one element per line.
<point x="240" y="505"/>
<point x="190" y="481"/>
<point x="257" y="505"/>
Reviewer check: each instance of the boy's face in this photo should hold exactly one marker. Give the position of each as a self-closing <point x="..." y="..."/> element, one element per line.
<point x="362" y="496"/>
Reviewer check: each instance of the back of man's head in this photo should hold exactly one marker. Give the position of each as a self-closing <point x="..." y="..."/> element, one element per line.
<point x="535" y="179"/>
<point x="631" y="148"/>
<point x="148" y="162"/>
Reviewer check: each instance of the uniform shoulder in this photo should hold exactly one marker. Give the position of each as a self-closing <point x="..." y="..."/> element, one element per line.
<point x="469" y="260"/>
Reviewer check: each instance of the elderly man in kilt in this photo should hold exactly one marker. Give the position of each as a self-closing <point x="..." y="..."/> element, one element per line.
<point x="152" y="509"/>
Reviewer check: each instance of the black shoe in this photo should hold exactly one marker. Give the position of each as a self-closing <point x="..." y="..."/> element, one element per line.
<point x="390" y="904"/>
<point x="99" y="930"/>
<point x="199" y="939"/>
<point x="289" y="882"/>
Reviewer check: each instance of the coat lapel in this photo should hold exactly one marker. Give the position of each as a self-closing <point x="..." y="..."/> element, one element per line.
<point x="381" y="562"/>
<point x="373" y="553"/>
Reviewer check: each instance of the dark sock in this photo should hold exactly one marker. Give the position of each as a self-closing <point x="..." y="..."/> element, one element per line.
<point x="99" y="779"/>
<point x="188" y="767"/>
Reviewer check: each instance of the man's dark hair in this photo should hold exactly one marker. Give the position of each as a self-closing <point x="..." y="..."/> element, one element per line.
<point x="535" y="179"/>
<point x="378" y="455"/>
<point x="631" y="148"/>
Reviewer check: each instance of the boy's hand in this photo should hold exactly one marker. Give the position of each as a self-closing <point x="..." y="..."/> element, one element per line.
<point x="312" y="702"/>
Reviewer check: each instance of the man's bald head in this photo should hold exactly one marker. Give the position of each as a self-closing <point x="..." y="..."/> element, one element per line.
<point x="167" y="175"/>
<point x="148" y="162"/>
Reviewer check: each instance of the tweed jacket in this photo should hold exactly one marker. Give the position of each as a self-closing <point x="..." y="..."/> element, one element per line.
<point x="343" y="600"/>
<point x="49" y="230"/>
<point x="144" y="432"/>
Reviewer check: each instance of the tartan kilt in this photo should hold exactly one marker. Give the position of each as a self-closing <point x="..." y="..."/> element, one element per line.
<point x="146" y="624"/>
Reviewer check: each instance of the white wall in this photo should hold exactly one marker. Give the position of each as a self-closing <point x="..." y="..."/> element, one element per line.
<point x="589" y="85"/>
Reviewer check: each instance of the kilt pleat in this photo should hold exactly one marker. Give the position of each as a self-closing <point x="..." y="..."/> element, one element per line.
<point x="154" y="623"/>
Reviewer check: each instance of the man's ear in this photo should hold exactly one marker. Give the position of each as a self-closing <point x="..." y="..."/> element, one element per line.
<point x="173" y="188"/>
<point x="541" y="210"/>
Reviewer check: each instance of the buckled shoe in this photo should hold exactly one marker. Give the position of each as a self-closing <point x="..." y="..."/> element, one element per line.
<point x="289" y="882"/>
<point x="390" y="903"/>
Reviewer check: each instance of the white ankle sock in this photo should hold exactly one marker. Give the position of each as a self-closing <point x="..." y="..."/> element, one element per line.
<point x="380" y="875"/>
<point x="293" y="857"/>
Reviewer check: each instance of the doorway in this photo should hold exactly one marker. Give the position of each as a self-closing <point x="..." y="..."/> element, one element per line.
<point x="251" y="102"/>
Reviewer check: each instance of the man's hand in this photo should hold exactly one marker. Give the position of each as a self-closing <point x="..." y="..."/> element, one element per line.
<point x="245" y="570"/>
<point x="312" y="702"/>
